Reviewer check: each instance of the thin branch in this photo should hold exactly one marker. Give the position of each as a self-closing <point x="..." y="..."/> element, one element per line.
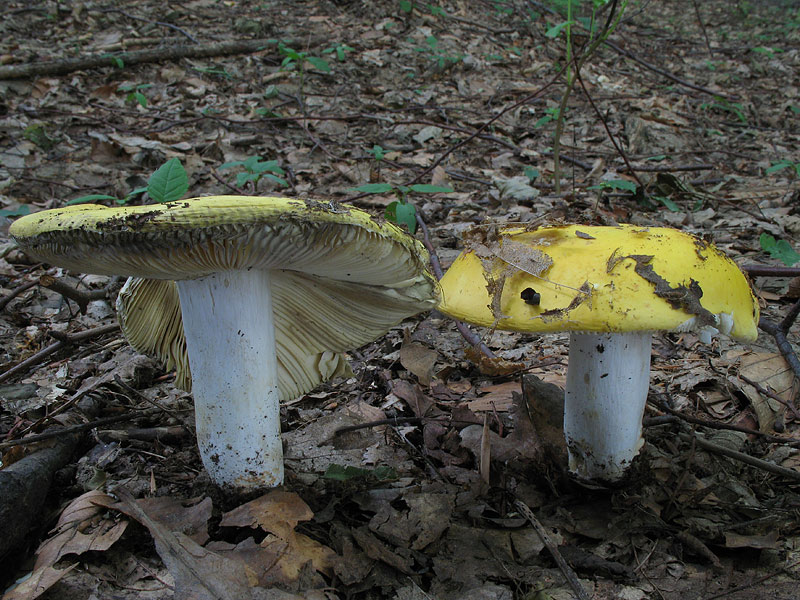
<point x="569" y="574"/>
<point x="465" y="331"/>
<point x="64" y="340"/>
<point x="782" y="342"/>
<point x="161" y="23"/>
<point x="60" y="431"/>
<point x="171" y="53"/>
<point x="79" y="297"/>
<point x="16" y="292"/>
<point x="769" y="271"/>
<point x="744" y="458"/>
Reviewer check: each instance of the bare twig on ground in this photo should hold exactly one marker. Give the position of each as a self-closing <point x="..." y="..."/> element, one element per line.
<point x="79" y="297"/>
<point x="146" y="434"/>
<point x="64" y="340"/>
<point x="569" y="574"/>
<point x="61" y="431"/>
<point x="160" y="23"/>
<point x="747" y="586"/>
<point x="770" y="271"/>
<point x="662" y="406"/>
<point x="20" y="289"/>
<point x="742" y="457"/>
<point x="610" y="135"/>
<point x="647" y="65"/>
<point x="777" y="332"/>
<point x="172" y="53"/>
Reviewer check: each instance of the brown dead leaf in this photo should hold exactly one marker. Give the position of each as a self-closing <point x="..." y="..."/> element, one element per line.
<point x="770" y="371"/>
<point x="418" y="359"/>
<point x="200" y="574"/>
<point x="38" y="583"/>
<point x="279" y="512"/>
<point x="80" y="528"/>
<point x="498" y="397"/>
<point x="492" y="367"/>
<point x="414" y="397"/>
<point x="766" y="541"/>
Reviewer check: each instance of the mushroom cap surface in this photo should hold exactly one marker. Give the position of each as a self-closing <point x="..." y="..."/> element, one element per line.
<point x="200" y="236"/>
<point x="598" y="279"/>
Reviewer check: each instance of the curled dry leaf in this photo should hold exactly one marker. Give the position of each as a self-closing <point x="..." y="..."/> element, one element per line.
<point x="287" y="551"/>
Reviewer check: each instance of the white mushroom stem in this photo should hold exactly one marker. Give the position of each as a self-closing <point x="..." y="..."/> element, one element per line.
<point x="230" y="339"/>
<point x="607" y="383"/>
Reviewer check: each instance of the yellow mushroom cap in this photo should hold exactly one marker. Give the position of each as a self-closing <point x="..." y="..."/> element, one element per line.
<point x="598" y="279"/>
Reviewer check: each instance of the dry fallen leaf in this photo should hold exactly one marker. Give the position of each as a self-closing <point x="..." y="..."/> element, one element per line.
<point x="418" y="359"/>
<point x="278" y="513"/>
<point x="201" y="574"/>
<point x="80" y="528"/>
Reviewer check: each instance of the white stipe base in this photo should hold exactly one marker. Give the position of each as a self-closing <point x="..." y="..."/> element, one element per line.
<point x="607" y="383"/>
<point x="230" y="337"/>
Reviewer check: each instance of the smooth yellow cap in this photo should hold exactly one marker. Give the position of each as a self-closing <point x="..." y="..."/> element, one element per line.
<point x="588" y="278"/>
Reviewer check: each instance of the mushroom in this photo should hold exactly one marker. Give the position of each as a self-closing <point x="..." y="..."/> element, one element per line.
<point x="611" y="288"/>
<point x="269" y="293"/>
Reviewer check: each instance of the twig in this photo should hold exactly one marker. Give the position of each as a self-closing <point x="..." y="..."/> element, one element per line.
<point x="702" y="27"/>
<point x="569" y="574"/>
<point x="158" y="405"/>
<point x="742" y="457"/>
<point x="610" y="135"/>
<point x="669" y="168"/>
<point x="749" y="585"/>
<point x="777" y="332"/>
<point x="79" y="297"/>
<point x="767" y="392"/>
<point x="768" y="271"/>
<point x="662" y="406"/>
<point x="161" y="23"/>
<point x="16" y="292"/>
<point x="64" y="340"/>
<point x="61" y="431"/>
<point x="62" y="67"/>
<point x="465" y="331"/>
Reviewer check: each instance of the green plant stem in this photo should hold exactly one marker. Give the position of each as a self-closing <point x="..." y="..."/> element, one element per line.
<point x="570" y="76"/>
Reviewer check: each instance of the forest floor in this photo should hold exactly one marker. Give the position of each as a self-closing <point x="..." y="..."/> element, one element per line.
<point x="688" y="116"/>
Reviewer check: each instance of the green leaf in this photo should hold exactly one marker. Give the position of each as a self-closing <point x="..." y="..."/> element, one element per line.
<point x="377" y="152"/>
<point x="402" y="213"/>
<point x="556" y="30"/>
<point x="90" y="198"/>
<point x="430" y="189"/>
<point x="347" y="472"/>
<point x="375" y="188"/>
<point x="779" y="249"/>
<point x="406" y="6"/>
<point x="131" y="195"/>
<point x="668" y="202"/>
<point x="243" y="178"/>
<point x="233" y="163"/>
<point x="277" y="179"/>
<point x="22" y="209"/>
<point x="531" y="173"/>
<point x="783" y="164"/>
<point x="169" y="182"/>
<point x="319" y="63"/>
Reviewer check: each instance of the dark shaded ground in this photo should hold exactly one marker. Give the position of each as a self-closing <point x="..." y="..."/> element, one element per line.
<point x="459" y="94"/>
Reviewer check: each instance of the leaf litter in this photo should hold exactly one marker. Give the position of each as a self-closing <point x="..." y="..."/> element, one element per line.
<point x="404" y="511"/>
